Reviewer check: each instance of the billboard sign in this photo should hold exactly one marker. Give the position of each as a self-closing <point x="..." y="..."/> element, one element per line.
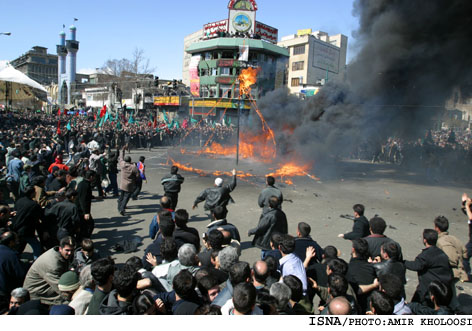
<point x="167" y="101"/>
<point x="267" y="33"/>
<point x="194" y="76"/>
<point x="211" y="30"/>
<point x="326" y="56"/>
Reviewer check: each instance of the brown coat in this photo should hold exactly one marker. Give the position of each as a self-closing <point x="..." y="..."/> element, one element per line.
<point x="129" y="175"/>
<point x="455" y="251"/>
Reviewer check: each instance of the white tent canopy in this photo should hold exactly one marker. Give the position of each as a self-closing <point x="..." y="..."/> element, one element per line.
<point x="19" y="85"/>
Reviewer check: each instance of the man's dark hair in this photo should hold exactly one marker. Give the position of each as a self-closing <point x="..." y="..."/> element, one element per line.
<point x="143" y="302"/>
<point x="127" y="159"/>
<point x="167" y="227"/>
<point x="337" y="266"/>
<point x="70" y="193"/>
<point x="244" y="297"/>
<point x="67" y="241"/>
<point x="125" y="280"/>
<point x="168" y="249"/>
<point x="361" y="247"/>
<point x="296" y="286"/>
<point x="184" y="284"/>
<point x="287" y="245"/>
<point x="430" y="236"/>
<point x="358" y="208"/>
<point x="330" y="252"/>
<point x="338" y="285"/>
<point x="142" y="158"/>
<point x="135" y="262"/>
<point x="276" y="239"/>
<point x="205" y="284"/>
<point x="377" y="225"/>
<point x="392" y="285"/>
<point x="270" y="180"/>
<point x="273" y="202"/>
<point x="382" y="303"/>
<point x="220" y="212"/>
<point x="7" y="236"/>
<point x="181" y="218"/>
<point x="62" y="173"/>
<point x="173" y="170"/>
<point x="441" y="223"/>
<point x="165" y="203"/>
<point x="391" y="249"/>
<point x="89" y="174"/>
<point x="30" y="192"/>
<point x="208" y="309"/>
<point x="102" y="269"/>
<point x="272" y="266"/>
<point x="87" y="245"/>
<point x="215" y="239"/>
<point x="239" y="273"/>
<point x="304" y="229"/>
<point x="442" y="293"/>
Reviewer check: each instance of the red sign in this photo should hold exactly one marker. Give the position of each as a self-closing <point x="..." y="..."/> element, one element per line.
<point x="224" y="80"/>
<point x="211" y="29"/>
<point x="225" y="63"/>
<point x="267" y="32"/>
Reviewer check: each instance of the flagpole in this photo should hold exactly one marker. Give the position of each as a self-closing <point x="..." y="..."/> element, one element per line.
<point x="239" y="119"/>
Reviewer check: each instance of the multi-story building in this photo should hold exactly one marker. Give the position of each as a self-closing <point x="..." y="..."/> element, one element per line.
<point x="38" y="65"/>
<point x="215" y="56"/>
<point x="315" y="58"/>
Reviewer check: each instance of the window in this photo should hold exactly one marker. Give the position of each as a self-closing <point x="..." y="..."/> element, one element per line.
<point x="299" y="50"/>
<point x="295" y="81"/>
<point x="297" y="65"/>
<point x="225" y="91"/>
<point x="214" y="71"/>
<point x="204" y="93"/>
<point x="227" y="55"/>
<point x="212" y="91"/>
<point x="225" y="71"/>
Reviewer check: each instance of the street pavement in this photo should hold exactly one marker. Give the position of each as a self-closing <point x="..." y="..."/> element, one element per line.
<point x="406" y="200"/>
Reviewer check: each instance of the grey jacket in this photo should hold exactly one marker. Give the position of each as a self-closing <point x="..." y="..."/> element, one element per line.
<point x="265" y="195"/>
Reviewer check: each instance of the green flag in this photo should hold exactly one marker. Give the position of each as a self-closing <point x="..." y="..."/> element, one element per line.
<point x="102" y="120"/>
<point x="131" y="119"/>
<point x="118" y="125"/>
<point x="165" y="117"/>
<point x="192" y="120"/>
<point x="68" y="126"/>
<point x="177" y="125"/>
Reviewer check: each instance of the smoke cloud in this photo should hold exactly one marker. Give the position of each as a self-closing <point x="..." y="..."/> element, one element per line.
<point x="411" y="56"/>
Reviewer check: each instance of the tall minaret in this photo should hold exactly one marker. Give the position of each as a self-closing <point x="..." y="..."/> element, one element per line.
<point x="72" y="46"/>
<point x="61" y="54"/>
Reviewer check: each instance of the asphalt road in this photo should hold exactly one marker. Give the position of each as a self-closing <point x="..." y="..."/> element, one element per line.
<point x="406" y="200"/>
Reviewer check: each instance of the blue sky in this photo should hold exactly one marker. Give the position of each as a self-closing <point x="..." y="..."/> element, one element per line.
<point x="113" y="29"/>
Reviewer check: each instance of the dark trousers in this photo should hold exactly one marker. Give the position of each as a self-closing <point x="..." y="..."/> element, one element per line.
<point x="137" y="190"/>
<point x="113" y="184"/>
<point x="14" y="187"/>
<point x="174" y="198"/>
<point x="123" y="200"/>
<point x="98" y="184"/>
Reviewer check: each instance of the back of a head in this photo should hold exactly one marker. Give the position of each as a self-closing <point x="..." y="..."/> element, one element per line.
<point x="271" y="264"/>
<point x="208" y="309"/>
<point x="339" y="306"/>
<point x="442" y="223"/>
<point x="20" y="293"/>
<point x="273" y="202"/>
<point x="377" y="225"/>
<point x="391" y="249"/>
<point x="227" y="257"/>
<point x="270" y="180"/>
<point x="358" y="208"/>
<point x="166" y="227"/>
<point x="165" y="202"/>
<point x="85" y="277"/>
<point x="143" y="302"/>
<point x="135" y="262"/>
<point x="296" y="287"/>
<point x="391" y="285"/>
<point x="87" y="245"/>
<point x="244" y="297"/>
<point x="338" y="285"/>
<point x="71" y="193"/>
<point x="127" y="159"/>
<point x="174" y="169"/>
<point x="287" y="245"/>
<point x="142" y="159"/>
<point x="239" y="272"/>
<point x="215" y="239"/>
<point x="276" y="239"/>
<point x="187" y="255"/>
<point x="102" y="269"/>
<point x="30" y="192"/>
<point x="125" y="280"/>
<point x="338" y="266"/>
<point x="430" y="236"/>
<point x="282" y="294"/>
<point x="304" y="229"/>
<point x="89" y="174"/>
<point x="181" y="218"/>
<point x="261" y="271"/>
<point x="441" y="292"/>
<point x="220" y="212"/>
<point x="330" y="252"/>
<point x="168" y="249"/>
<point x="381" y="303"/>
<point x="361" y="247"/>
<point x="7" y="237"/>
<point x="184" y="284"/>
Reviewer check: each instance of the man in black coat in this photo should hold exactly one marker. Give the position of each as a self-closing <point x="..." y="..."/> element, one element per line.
<point x="268" y="192"/>
<point x="26" y="222"/>
<point x="171" y="185"/>
<point x="166" y="230"/>
<point x="66" y="216"/>
<point x="376" y="239"/>
<point x="12" y="272"/>
<point x="84" y="204"/>
<point x="218" y="195"/>
<point x="303" y="240"/>
<point x="431" y="264"/>
<point x="360" y="228"/>
<point x="274" y="220"/>
<point x="183" y="234"/>
<point x="220" y="222"/>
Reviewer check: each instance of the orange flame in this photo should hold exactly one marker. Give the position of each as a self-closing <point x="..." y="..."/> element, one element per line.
<point x="247" y="78"/>
<point x="291" y="170"/>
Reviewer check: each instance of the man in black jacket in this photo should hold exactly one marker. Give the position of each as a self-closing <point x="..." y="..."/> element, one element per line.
<point x="376" y="239"/>
<point x="218" y="195"/>
<point x="220" y="222"/>
<point x="84" y="204"/>
<point x="171" y="185"/>
<point x="12" y="272"/>
<point x="183" y="234"/>
<point x="303" y="240"/>
<point x="268" y="192"/>
<point x="360" y="228"/>
<point x="26" y="222"/>
<point x="274" y="220"/>
<point x="431" y="264"/>
<point x="66" y="216"/>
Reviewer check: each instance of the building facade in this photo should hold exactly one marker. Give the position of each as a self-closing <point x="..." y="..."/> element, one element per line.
<point x="315" y="58"/>
<point x="215" y="56"/>
<point x="38" y="65"/>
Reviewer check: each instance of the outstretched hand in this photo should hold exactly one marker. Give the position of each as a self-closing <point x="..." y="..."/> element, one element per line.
<point x="234" y="172"/>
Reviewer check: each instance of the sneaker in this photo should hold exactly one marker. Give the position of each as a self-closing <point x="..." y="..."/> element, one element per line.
<point x="122" y="213"/>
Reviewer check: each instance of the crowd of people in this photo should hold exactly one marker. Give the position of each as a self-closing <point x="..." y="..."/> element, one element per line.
<point x="46" y="203"/>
